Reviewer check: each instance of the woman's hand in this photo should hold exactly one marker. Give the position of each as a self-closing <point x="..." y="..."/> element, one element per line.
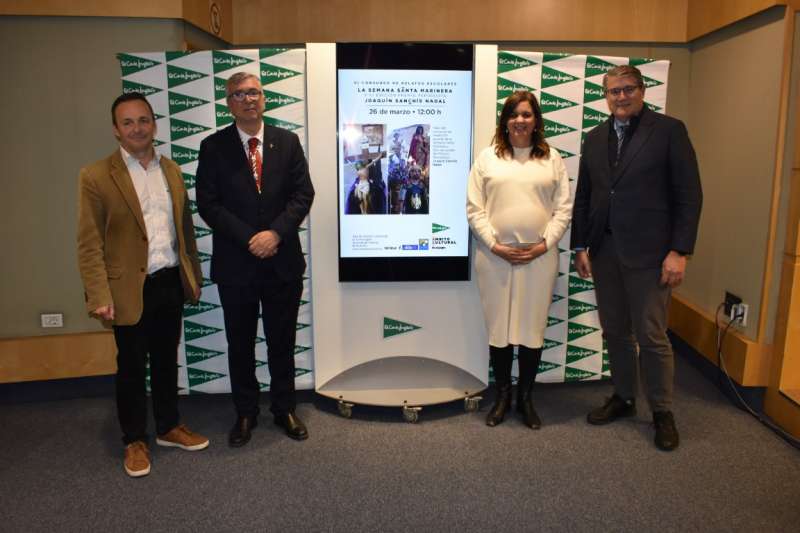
<point x="519" y="255"/>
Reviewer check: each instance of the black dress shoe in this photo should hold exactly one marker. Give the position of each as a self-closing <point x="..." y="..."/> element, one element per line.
<point x="293" y="426"/>
<point x="615" y="407"/>
<point x="667" y="438"/>
<point x="240" y="432"/>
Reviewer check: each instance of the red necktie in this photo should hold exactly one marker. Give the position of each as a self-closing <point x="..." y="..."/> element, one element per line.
<point x="255" y="160"/>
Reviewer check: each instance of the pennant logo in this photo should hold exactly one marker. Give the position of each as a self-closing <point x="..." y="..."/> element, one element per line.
<point x="220" y="90"/>
<point x="592" y="92"/>
<point x="132" y="64"/>
<point x="178" y="76"/>
<point x="206" y="281"/>
<point x="199" y="307"/>
<point x="551" y="77"/>
<point x="301" y="325"/>
<point x="193" y="330"/>
<point x="552" y="321"/>
<point x="636" y="61"/>
<point x="555" y="297"/>
<point x="576" y="307"/>
<point x="300" y="349"/>
<point x="271" y="74"/>
<point x="172" y="56"/>
<point x="182" y="155"/>
<point x="200" y="232"/>
<point x="548" y="343"/>
<point x="653" y="107"/>
<point x="188" y="180"/>
<point x="544" y="366"/>
<point x="595" y="66"/>
<point x="564" y="154"/>
<point x="574" y="374"/>
<point x="551" y="102"/>
<point x="181" y="102"/>
<point x="592" y="118"/>
<point x="436" y="228"/>
<point x="222" y="115"/>
<point x="577" y="285"/>
<point x="204" y="257"/>
<point x="552" y="129"/>
<point x="196" y="355"/>
<point x="576" y="353"/>
<point x="178" y="129"/>
<point x="392" y="327"/>
<point x="224" y="61"/>
<point x="506" y="88"/>
<point x="576" y="331"/>
<point x="507" y="62"/>
<point x="133" y="87"/>
<point x="553" y="56"/>
<point x="273" y="100"/>
<point x="650" y="82"/>
<point x="198" y="377"/>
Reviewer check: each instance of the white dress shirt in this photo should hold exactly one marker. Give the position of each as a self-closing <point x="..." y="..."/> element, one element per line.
<point x="156" y="203"/>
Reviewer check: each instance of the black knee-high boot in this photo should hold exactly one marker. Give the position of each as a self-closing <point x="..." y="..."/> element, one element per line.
<point x="501" y="360"/>
<point x="528" y="359"/>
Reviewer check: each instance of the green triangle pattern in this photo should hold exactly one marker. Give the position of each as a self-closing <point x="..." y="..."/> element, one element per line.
<point x="200" y="232"/>
<point x="180" y="102"/>
<point x="550" y="102"/>
<point x="576" y="331"/>
<point x="577" y="307"/>
<point x="552" y="77"/>
<point x="130" y="64"/>
<point x="595" y="66"/>
<point x="507" y="62"/>
<point x="198" y="377"/>
<point x="269" y="52"/>
<point x="133" y="87"/>
<point x="222" y="115"/>
<point x="271" y="121"/>
<point x="272" y="73"/>
<point x="273" y="100"/>
<point x="592" y="118"/>
<point x="178" y="129"/>
<point x="182" y="155"/>
<point x="549" y="343"/>
<point x="189" y="180"/>
<point x="224" y="61"/>
<point x="576" y="353"/>
<point x="195" y="354"/>
<point x="574" y="374"/>
<point x="506" y="88"/>
<point x="178" y="76"/>
<point x="552" y="128"/>
<point x="193" y="330"/>
<point x="592" y="92"/>
<point x="577" y="284"/>
<point x="199" y="307"/>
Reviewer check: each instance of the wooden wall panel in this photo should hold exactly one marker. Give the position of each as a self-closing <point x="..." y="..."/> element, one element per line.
<point x="275" y="21"/>
<point x="94" y="8"/>
<point x="57" y="357"/>
<point x="212" y="16"/>
<point x="705" y="16"/>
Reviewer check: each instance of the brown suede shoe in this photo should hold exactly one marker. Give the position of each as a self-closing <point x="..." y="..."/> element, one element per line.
<point x="137" y="459"/>
<point x="181" y="437"/>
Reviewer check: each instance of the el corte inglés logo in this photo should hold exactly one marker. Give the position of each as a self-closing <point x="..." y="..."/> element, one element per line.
<point x="183" y="75"/>
<point x="576" y="353"/>
<point x="228" y="61"/>
<point x="392" y="327"/>
<point x="548" y="343"/>
<point x="573" y="374"/>
<point x="578" y="330"/>
<point x="554" y="128"/>
<point x="137" y="63"/>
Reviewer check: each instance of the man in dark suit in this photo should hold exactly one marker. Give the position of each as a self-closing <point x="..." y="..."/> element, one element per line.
<point x="138" y="262"/>
<point x="635" y="217"/>
<point x="253" y="190"/>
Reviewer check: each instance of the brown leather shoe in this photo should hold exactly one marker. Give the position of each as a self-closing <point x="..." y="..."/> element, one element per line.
<point x="181" y="437"/>
<point x="137" y="459"/>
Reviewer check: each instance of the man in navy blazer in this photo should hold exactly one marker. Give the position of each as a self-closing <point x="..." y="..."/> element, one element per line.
<point x="635" y="217"/>
<point x="253" y="190"/>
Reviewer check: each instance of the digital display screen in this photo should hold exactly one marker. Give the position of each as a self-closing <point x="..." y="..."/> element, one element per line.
<point x="404" y="155"/>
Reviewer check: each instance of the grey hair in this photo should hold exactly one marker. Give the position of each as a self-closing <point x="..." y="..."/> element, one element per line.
<point x="624" y="71"/>
<point x="237" y="79"/>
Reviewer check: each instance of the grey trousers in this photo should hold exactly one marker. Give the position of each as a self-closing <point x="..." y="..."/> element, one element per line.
<point x="633" y="314"/>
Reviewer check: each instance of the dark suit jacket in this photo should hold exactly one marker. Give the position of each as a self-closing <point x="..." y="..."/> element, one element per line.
<point x="229" y="202"/>
<point x="651" y="201"/>
<point x="112" y="238"/>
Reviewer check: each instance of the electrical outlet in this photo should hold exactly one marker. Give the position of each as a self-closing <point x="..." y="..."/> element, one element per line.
<point x="731" y="300"/>
<point x="739" y="311"/>
<point x="52" y="320"/>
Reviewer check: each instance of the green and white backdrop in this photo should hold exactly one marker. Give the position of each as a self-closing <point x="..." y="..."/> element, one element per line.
<point x="570" y="91"/>
<point x="187" y="92"/>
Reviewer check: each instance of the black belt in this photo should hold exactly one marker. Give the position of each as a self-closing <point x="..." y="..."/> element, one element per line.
<point x="163" y="273"/>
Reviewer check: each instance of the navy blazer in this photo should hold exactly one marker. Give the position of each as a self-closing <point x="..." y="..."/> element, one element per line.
<point x="651" y="201"/>
<point x="229" y="202"/>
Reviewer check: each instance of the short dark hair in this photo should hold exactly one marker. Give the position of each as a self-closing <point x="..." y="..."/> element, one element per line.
<point x="129" y="97"/>
<point x="502" y="146"/>
<point x="624" y="71"/>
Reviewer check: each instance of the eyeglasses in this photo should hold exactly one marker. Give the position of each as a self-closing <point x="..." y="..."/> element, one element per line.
<point x="240" y="96"/>
<point x="628" y="90"/>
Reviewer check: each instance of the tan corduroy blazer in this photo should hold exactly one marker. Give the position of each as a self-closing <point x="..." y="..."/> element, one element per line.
<point x="112" y="239"/>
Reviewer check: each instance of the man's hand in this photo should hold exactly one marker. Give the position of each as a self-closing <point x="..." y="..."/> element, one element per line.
<point x="519" y="256"/>
<point x="105" y="312"/>
<point x="583" y="264"/>
<point x="264" y="244"/>
<point x="672" y="269"/>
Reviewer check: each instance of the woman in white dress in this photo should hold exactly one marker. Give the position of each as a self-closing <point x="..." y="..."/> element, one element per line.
<point x="518" y="205"/>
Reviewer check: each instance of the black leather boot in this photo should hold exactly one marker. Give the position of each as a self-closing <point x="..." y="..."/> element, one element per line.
<point x="502" y="403"/>
<point x="528" y="360"/>
<point x="501" y="360"/>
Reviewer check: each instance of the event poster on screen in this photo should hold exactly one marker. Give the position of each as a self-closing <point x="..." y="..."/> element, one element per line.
<point x="404" y="157"/>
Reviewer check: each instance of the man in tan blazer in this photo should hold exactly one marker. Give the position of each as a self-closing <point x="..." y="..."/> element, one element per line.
<point x="138" y="261"/>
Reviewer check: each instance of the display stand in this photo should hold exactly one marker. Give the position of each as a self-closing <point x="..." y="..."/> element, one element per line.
<point x="437" y="349"/>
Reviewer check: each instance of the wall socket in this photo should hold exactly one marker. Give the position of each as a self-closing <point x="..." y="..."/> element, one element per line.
<point x="740" y="310"/>
<point x="730" y="300"/>
<point x="52" y="320"/>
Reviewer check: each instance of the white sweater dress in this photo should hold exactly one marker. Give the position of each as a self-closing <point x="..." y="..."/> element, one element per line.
<point x="517" y="201"/>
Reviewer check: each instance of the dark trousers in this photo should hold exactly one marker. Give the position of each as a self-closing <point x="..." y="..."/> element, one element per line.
<point x="279" y="301"/>
<point x="633" y="306"/>
<point x="157" y="333"/>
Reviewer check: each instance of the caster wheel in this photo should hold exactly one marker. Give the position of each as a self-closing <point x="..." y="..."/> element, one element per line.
<point x="411" y="414"/>
<point x="345" y="409"/>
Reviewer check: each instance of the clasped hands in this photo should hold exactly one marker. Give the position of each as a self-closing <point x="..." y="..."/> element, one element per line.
<point x="264" y="244"/>
<point x="517" y="255"/>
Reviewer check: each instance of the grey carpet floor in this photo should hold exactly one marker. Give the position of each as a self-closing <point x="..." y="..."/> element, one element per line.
<point x="60" y="470"/>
